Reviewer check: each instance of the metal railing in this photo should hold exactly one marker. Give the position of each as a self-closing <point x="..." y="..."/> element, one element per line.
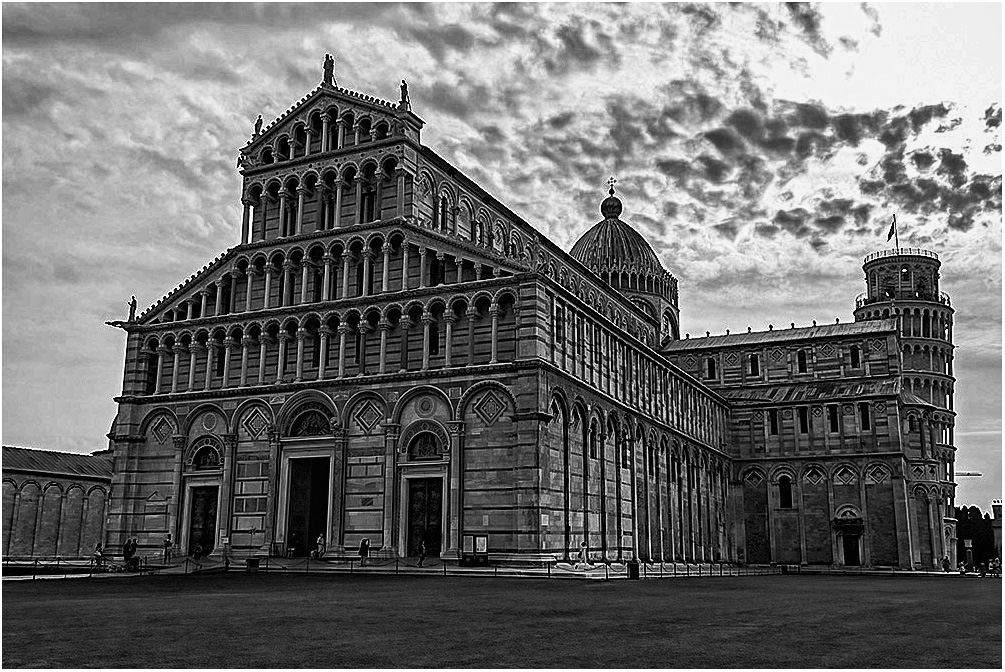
<point x="900" y="252"/>
<point x="864" y="299"/>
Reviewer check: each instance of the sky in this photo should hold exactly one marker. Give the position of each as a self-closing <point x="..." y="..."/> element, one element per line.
<point x="762" y="149"/>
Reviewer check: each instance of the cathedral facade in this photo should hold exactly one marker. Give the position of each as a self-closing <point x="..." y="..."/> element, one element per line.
<point x="391" y="354"/>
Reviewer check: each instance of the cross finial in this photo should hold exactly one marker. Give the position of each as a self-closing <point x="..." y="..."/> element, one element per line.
<point x="611" y="182"/>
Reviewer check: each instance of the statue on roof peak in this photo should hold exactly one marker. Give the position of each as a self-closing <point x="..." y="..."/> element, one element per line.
<point x="329" y="76"/>
<point x="404" y="103"/>
<point x="258" y="126"/>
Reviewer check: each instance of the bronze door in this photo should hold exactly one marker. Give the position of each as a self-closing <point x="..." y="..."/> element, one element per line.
<point x="308" y="508"/>
<point x="425" y="501"/>
<point x="851" y="558"/>
<point x="202" y="523"/>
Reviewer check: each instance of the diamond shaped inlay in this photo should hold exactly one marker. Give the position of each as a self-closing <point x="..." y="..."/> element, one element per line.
<point x="255" y="423"/>
<point x="827" y="350"/>
<point x="753" y="478"/>
<point x="777" y="354"/>
<point x="845" y="476"/>
<point x="489" y="407"/>
<point x="732" y="358"/>
<point x="814" y="476"/>
<point x="161" y="429"/>
<point x="368" y="416"/>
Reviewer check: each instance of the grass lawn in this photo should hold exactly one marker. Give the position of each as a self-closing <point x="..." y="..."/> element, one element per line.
<point x="272" y="620"/>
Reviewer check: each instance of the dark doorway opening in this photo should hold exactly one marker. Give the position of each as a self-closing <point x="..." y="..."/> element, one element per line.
<point x="851" y="558"/>
<point x="202" y="521"/>
<point x="308" y="515"/>
<point x="425" y="501"/>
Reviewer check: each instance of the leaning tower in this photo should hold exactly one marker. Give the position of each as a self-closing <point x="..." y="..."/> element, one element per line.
<point x="903" y="283"/>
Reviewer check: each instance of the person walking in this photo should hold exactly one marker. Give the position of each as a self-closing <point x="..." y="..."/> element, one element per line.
<point x="364" y="551"/>
<point x="99" y="555"/>
<point x="320" y="550"/>
<point x="168" y="543"/>
<point x="945" y="564"/>
<point x="422" y="551"/>
<point x="584" y="557"/>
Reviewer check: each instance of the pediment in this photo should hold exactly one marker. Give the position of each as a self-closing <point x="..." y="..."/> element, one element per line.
<point x="339" y="103"/>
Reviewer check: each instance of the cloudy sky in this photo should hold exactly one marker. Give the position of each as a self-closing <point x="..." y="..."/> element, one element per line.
<point x="761" y="148"/>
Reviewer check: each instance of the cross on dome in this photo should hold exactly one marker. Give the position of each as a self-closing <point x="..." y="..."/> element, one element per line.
<point x="611" y="182"/>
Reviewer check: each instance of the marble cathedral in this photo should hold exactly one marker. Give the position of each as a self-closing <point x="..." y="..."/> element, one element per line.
<point x="390" y="353"/>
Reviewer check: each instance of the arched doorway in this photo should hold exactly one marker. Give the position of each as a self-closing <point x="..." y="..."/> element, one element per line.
<point x="423" y="489"/>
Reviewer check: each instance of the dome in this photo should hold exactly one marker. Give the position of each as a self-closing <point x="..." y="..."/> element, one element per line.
<point x="612" y="245"/>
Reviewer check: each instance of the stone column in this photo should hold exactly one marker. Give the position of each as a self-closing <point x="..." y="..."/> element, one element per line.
<point x="327" y="260"/>
<point x="455" y="516"/>
<point x="367" y="272"/>
<point x="494" y="312"/>
<point x="176" y="350"/>
<point x="269" y="268"/>
<point x="426" y="321"/>
<point x="263" y="350"/>
<point x="228" y="345"/>
<point x="250" y="273"/>
<point x="338" y="483"/>
<point x="340" y="131"/>
<point x="179" y="444"/>
<point x="188" y="309"/>
<point x="263" y="205"/>
<point x="441" y="268"/>
<point x="301" y="335"/>
<point x="390" y="442"/>
<point x="218" y="305"/>
<point x="386" y="268"/>
<point x="404" y="265"/>
<point x="161" y="352"/>
<point x="358" y="219"/>
<point x="343" y="329"/>
<point x="378" y="181"/>
<point x="346" y="256"/>
<point x="301" y="192"/>
<point x="450" y="319"/>
<point x="272" y="497"/>
<point x="325" y="121"/>
<point x="227" y="483"/>
<point x="203" y="302"/>
<point x="211" y="347"/>
<point x="192" y="350"/>
<point x="471" y="314"/>
<point x="384" y="327"/>
<point x="305" y="267"/>
<point x="308" y="138"/>
<point x="400" y="173"/>
<point x="282" y="213"/>
<point x="355" y="130"/>
<point x="246" y="221"/>
<point x="286" y="297"/>
<point x="284" y="338"/>
<point x="337" y="217"/>
<point x="422" y="268"/>
<point x="246" y="343"/>
<point x="325" y="333"/>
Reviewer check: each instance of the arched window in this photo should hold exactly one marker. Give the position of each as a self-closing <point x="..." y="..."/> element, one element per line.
<point x="434" y="338"/>
<point x="863" y="412"/>
<point x="206" y="457"/>
<point x="710" y="368"/>
<point x="785" y="492"/>
<point x="911" y="425"/>
<point x="856" y="358"/>
<point x="801" y="361"/>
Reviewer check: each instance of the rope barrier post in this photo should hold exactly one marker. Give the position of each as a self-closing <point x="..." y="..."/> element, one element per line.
<point x="444" y="568"/>
<point x="606" y="577"/>
<point x="396" y="566"/>
<point x="661" y="569"/>
<point x="548" y="564"/>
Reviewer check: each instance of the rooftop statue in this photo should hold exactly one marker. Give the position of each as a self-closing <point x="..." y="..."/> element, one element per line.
<point x="404" y="103"/>
<point x="329" y="76"/>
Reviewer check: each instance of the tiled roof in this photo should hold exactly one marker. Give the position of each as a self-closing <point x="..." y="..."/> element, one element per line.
<point x="814" y="391"/>
<point x="867" y="327"/>
<point x="915" y="400"/>
<point x="53" y="462"/>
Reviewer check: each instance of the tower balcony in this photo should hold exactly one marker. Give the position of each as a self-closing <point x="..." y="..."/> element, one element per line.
<point x="901" y="252"/>
<point x="864" y="299"/>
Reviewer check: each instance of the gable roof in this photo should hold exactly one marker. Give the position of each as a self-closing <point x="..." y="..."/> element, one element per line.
<point x="814" y="391"/>
<point x="864" y="328"/>
<point x="57" y="463"/>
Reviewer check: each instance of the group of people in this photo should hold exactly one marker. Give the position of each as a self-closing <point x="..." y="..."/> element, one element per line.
<point x="994" y="567"/>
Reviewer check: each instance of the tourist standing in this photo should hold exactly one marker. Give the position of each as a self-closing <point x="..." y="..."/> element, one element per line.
<point x="422" y="551"/>
<point x="168" y="543"/>
<point x="364" y="551"/>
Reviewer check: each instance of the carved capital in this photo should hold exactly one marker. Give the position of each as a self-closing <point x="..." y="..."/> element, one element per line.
<point x="179" y="442"/>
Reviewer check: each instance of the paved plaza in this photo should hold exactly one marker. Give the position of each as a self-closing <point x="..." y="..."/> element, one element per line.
<point x="369" y="620"/>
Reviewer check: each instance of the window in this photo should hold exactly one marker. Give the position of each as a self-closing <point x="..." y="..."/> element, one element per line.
<point x="804" y="420"/>
<point x="801" y="361"/>
<point x="863" y="412"/>
<point x="755" y="367"/>
<point x="710" y="368"/>
<point x="832" y="414"/>
<point x="434" y="338"/>
<point x="855" y="357"/>
<point x="773" y="421"/>
<point x="559" y="324"/>
<point x="785" y="492"/>
<point x="221" y="356"/>
<point x="910" y="423"/>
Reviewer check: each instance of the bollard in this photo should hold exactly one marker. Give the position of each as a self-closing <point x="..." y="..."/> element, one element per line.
<point x="396" y="559"/>
<point x="549" y="564"/>
<point x="445" y="564"/>
<point x="674" y="563"/>
<point x="686" y="564"/>
<point x="661" y="569"/>
<point x="606" y="565"/>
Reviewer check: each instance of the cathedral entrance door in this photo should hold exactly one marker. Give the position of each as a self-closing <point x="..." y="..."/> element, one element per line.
<point x="308" y="507"/>
<point x="850" y="542"/>
<point x="202" y="522"/>
<point x="425" y="502"/>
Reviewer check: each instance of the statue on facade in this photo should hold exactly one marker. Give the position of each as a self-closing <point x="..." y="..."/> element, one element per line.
<point x="404" y="103"/>
<point x="329" y="76"/>
<point x="132" y="309"/>
<point x="258" y="126"/>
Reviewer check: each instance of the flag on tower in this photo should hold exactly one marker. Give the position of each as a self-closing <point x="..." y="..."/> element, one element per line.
<point x="893" y="229"/>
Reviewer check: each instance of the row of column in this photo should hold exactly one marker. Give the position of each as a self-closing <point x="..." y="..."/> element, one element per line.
<point x="227" y="303"/>
<point x="622" y="371"/>
<point x="330" y="199"/>
<point x="325" y="332"/>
